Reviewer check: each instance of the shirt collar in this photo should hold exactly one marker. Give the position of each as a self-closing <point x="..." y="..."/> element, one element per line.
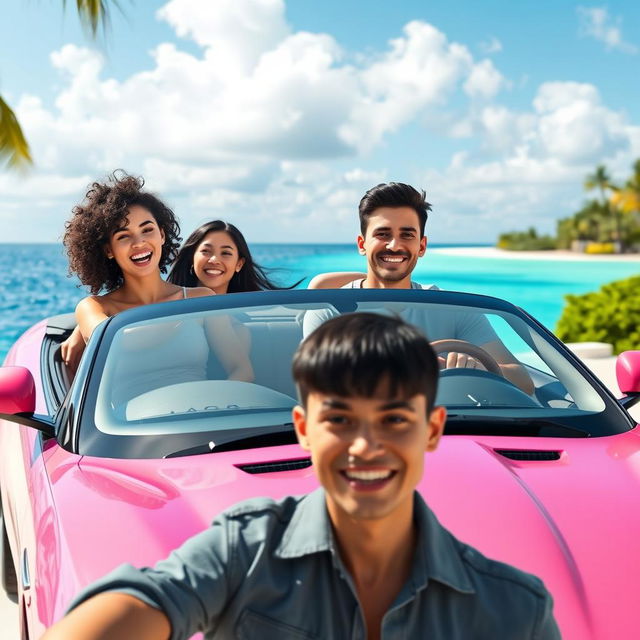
<point x="309" y="530"/>
<point x="438" y="555"/>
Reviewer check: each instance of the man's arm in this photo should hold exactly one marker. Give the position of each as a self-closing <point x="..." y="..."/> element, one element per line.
<point x="111" y="616"/>
<point x="476" y="328"/>
<point x="511" y="368"/>
<point x="186" y="592"/>
<point x="334" y="280"/>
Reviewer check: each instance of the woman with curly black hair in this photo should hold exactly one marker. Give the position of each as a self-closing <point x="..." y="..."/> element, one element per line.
<point x="217" y="256"/>
<point x="119" y="240"/>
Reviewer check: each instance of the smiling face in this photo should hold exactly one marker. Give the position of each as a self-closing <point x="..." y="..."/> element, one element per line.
<point x="392" y="245"/>
<point x="368" y="453"/>
<point x="216" y="261"/>
<point x="136" y="245"/>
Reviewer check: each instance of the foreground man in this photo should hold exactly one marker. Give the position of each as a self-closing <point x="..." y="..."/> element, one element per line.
<point x="362" y="557"/>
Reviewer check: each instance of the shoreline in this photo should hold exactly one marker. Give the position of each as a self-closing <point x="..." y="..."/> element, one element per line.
<point x="552" y="255"/>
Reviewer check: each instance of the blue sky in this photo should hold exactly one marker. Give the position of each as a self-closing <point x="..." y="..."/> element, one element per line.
<point x="279" y="115"/>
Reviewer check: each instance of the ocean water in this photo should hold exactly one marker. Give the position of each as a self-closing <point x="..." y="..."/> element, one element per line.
<point x="35" y="282"/>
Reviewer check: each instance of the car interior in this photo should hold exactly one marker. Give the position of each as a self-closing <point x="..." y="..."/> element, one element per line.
<point x="275" y="332"/>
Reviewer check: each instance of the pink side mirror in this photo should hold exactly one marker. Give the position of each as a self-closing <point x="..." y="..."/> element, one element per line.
<point x="17" y="391"/>
<point x="628" y="371"/>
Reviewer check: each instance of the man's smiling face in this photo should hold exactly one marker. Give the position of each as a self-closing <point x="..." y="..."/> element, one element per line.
<point x="392" y="245"/>
<point x="368" y="453"/>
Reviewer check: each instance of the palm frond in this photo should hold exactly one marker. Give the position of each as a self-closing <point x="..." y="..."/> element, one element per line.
<point x="14" y="149"/>
<point x="93" y="13"/>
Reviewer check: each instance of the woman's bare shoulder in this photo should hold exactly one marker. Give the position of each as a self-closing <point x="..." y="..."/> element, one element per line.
<point x="199" y="292"/>
<point x="94" y="303"/>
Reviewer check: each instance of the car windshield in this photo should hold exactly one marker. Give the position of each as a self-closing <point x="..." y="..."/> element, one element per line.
<point x="161" y="375"/>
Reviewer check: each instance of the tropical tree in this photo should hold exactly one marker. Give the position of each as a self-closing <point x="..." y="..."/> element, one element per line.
<point x="14" y="148"/>
<point x="528" y="240"/>
<point x="592" y="223"/>
<point x="601" y="180"/>
<point x="626" y="200"/>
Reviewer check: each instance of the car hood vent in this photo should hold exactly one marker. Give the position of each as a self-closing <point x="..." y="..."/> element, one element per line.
<point x="275" y="467"/>
<point x="528" y="454"/>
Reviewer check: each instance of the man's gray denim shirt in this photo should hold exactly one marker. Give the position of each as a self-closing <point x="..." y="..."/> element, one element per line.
<point x="271" y="569"/>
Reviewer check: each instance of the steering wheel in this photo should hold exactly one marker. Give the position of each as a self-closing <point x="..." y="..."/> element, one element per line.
<point x="462" y="346"/>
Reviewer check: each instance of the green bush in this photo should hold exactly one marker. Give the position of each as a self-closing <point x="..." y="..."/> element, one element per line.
<point x="525" y="241"/>
<point x="611" y="314"/>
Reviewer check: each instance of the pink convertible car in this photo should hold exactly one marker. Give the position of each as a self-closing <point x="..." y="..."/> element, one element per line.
<point x="150" y="441"/>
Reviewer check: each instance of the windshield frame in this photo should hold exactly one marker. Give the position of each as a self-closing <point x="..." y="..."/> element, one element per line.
<point x="89" y="440"/>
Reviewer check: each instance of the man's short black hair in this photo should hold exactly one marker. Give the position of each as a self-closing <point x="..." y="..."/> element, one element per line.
<point x="393" y="194"/>
<point x="353" y="354"/>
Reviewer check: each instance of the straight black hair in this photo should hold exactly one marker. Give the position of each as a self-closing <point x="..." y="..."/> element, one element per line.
<point x="353" y="354"/>
<point x="252" y="277"/>
<point x="393" y="194"/>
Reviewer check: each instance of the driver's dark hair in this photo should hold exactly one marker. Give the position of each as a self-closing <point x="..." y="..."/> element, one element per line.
<point x="352" y="354"/>
<point x="393" y="194"/>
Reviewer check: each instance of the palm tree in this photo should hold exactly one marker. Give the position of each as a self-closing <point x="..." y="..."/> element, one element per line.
<point x="14" y="148"/>
<point x="601" y="180"/>
<point x="627" y="199"/>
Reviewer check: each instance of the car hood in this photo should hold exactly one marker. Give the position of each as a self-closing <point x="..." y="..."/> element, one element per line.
<point x="544" y="516"/>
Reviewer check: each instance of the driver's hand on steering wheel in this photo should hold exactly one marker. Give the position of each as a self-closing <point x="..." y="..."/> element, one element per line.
<point x="455" y="360"/>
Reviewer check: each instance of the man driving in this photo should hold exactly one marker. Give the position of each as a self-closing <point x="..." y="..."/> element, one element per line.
<point x="392" y="224"/>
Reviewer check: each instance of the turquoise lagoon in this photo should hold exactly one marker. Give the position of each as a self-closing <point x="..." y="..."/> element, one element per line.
<point x="35" y="284"/>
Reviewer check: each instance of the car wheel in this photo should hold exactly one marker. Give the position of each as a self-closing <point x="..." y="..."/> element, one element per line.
<point x="9" y="577"/>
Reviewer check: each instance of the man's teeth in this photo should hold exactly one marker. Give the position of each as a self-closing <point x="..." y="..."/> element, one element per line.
<point x="368" y="476"/>
<point x="392" y="259"/>
<point x="139" y="257"/>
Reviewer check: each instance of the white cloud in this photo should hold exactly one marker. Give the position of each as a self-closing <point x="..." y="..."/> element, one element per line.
<point x="595" y="22"/>
<point x="540" y="158"/>
<point x="484" y="81"/>
<point x="504" y="129"/>
<point x="574" y="126"/>
<point x="235" y="32"/>
<point x="567" y="121"/>
<point x="420" y="72"/>
<point x="260" y="123"/>
<point x="492" y="45"/>
<point x="259" y="93"/>
<point x="499" y="196"/>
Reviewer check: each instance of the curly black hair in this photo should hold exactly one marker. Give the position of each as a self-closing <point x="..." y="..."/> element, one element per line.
<point x="101" y="213"/>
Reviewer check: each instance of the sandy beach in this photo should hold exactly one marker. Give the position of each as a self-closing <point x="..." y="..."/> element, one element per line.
<point x="569" y="256"/>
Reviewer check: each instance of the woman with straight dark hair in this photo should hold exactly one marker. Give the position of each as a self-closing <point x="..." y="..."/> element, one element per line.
<point x="217" y="256"/>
